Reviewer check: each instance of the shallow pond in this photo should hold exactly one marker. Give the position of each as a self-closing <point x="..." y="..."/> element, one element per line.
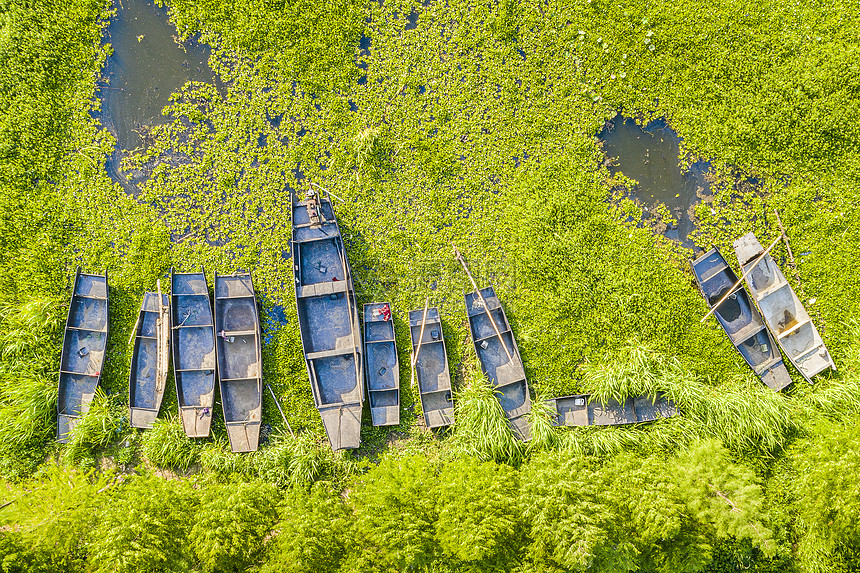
<point x="650" y="155"/>
<point x="147" y="65"/>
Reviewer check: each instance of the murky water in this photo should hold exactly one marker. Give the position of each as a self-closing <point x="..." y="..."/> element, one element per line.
<point x="147" y="65"/>
<point x="650" y="156"/>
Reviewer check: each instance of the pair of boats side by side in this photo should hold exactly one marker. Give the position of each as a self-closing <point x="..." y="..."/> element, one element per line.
<point x="776" y="317"/>
<point x="336" y="356"/>
<point x="203" y="347"/>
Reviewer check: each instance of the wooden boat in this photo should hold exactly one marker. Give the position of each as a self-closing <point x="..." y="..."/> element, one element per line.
<point x="500" y="358"/>
<point x="383" y="366"/>
<point x="782" y="310"/>
<point x="150" y="359"/>
<point x="577" y="411"/>
<point x="431" y="368"/>
<point x="193" y="343"/>
<point x="240" y="359"/>
<point x="83" y="355"/>
<point x="328" y="320"/>
<point x="740" y="319"/>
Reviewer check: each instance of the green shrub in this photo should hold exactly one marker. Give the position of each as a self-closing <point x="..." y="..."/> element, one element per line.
<point x="570" y="525"/>
<point x="53" y="516"/>
<point x="478" y="521"/>
<point x="315" y="532"/>
<point x="826" y="469"/>
<point x="232" y="524"/>
<point x="395" y="505"/>
<point x="726" y="497"/>
<point x="145" y="527"/>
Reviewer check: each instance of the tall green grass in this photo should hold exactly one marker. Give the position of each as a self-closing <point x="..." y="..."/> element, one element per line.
<point x="481" y="429"/>
<point x="286" y="461"/>
<point x="106" y="422"/>
<point x="29" y="346"/>
<point x="743" y="415"/>
<point x="167" y="446"/>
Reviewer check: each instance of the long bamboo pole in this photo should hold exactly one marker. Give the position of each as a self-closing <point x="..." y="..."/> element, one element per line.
<point x="414" y="359"/>
<point x="460" y="258"/>
<point x="740" y="280"/>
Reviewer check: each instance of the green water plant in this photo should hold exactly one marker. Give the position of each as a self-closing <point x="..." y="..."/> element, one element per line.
<point x="481" y="429"/>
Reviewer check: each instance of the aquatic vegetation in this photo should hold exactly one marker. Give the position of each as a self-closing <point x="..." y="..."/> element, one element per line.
<point x="475" y="124"/>
<point x="481" y="429"/>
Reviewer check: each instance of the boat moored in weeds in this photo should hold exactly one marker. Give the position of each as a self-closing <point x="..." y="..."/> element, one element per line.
<point x="193" y="342"/>
<point x="500" y="358"/>
<point x="578" y="410"/>
<point x="740" y="319"/>
<point x="782" y="310"/>
<point x="150" y="359"/>
<point x="240" y="359"/>
<point x="328" y="320"/>
<point x="431" y="367"/>
<point x="84" y="343"/>
<point x="382" y="365"/>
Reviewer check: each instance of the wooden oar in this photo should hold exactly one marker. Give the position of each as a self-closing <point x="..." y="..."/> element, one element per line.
<point x="740" y="280"/>
<point x="278" y="404"/>
<point x="414" y="359"/>
<point x="483" y="301"/>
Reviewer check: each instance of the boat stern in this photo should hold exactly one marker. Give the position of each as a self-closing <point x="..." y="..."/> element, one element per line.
<point x="196" y="421"/>
<point x="342" y="425"/>
<point x="747" y="248"/>
<point x="142" y="417"/>
<point x="521" y="427"/>
<point x="776" y="378"/>
<point x="243" y="436"/>
<point x="65" y="425"/>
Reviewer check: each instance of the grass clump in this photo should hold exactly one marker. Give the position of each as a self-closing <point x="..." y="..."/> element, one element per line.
<point x="167" y="446"/>
<point x="103" y="424"/>
<point x="481" y="429"/>
<point x="744" y="417"/>
<point x="28" y="391"/>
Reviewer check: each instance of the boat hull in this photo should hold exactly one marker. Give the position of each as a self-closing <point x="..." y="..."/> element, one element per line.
<point x="84" y="346"/>
<point x="577" y="411"/>
<point x="431" y="368"/>
<point x="500" y="359"/>
<point x="785" y="315"/>
<point x="149" y="361"/>
<point x="328" y="322"/>
<point x="382" y="366"/>
<point x="740" y="319"/>
<point x="240" y="364"/>
<point x="193" y="351"/>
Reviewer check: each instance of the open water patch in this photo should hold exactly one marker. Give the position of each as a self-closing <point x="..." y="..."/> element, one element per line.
<point x="651" y="156"/>
<point x="148" y="64"/>
<point x="274" y="318"/>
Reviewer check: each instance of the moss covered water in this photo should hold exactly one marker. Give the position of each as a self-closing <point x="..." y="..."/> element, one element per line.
<point x="147" y="63"/>
<point x="440" y="123"/>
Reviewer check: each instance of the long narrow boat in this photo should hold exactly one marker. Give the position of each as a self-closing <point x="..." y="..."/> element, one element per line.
<point x="328" y="320"/>
<point x="383" y="366"/>
<point x="500" y="358"/>
<point x="740" y="319"/>
<point x="577" y="411"/>
<point x="431" y="368"/>
<point x="193" y="342"/>
<point x="84" y="344"/>
<point x="782" y="310"/>
<point x="150" y="360"/>
<point x="240" y="359"/>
